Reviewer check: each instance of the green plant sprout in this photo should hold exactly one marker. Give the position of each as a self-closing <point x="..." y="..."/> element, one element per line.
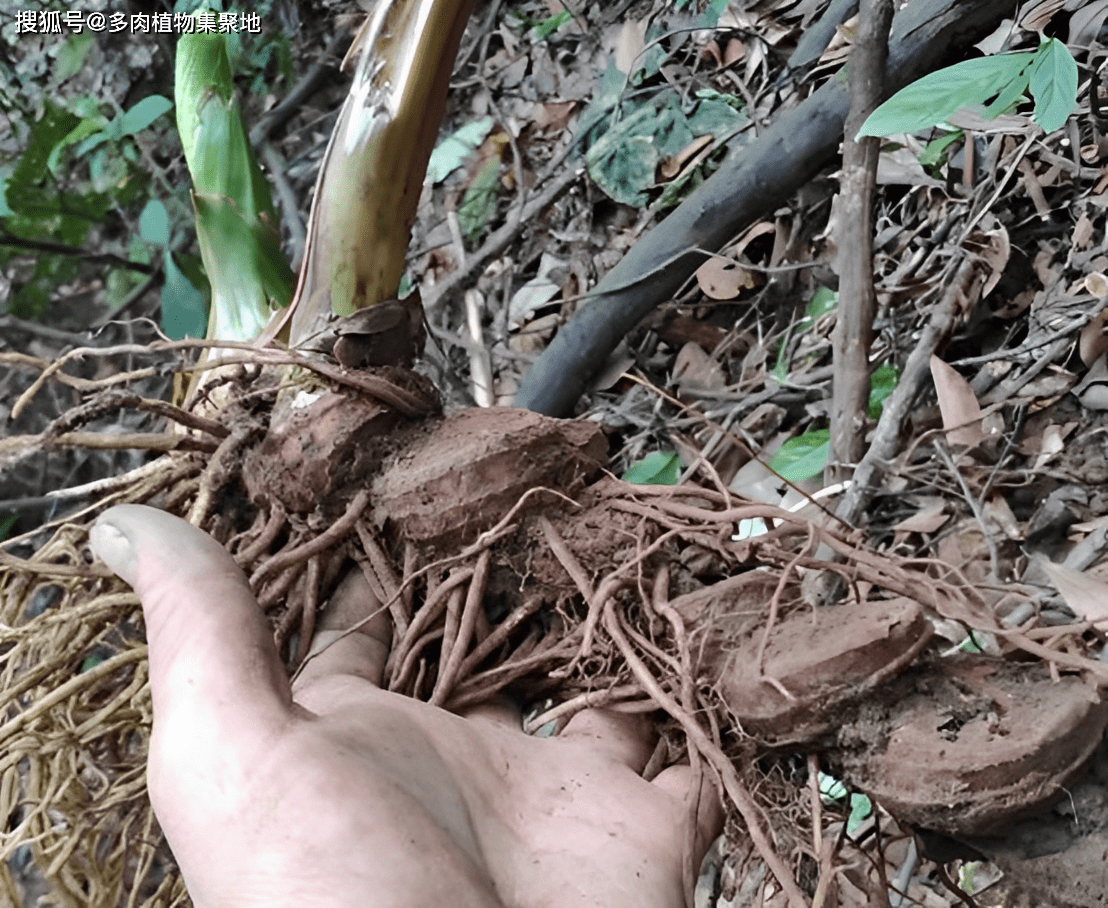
<point x="805" y="456"/>
<point x="659" y="469"/>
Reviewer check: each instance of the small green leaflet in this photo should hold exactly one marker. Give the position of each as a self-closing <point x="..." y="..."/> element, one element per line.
<point x="803" y="457"/>
<point x="658" y="469"/>
<point x="881" y="385"/>
<point x="451" y="152"/>
<point x="988" y="85"/>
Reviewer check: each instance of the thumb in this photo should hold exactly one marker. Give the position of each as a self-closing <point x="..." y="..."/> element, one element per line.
<point x="213" y="664"/>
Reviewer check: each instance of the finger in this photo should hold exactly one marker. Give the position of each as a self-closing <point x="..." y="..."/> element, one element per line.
<point x="626" y="737"/>
<point x="361" y="653"/>
<point x="214" y="669"/>
<point x="699" y="792"/>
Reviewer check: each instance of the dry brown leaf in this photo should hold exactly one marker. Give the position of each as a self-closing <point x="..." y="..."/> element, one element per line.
<point x="1096" y="283"/>
<point x="670" y="167"/>
<point x="926" y="520"/>
<point x="1039" y="14"/>
<point x="693" y="368"/>
<point x="722" y="279"/>
<point x="958" y="405"/>
<point x="734" y="52"/>
<point x="1093" y="341"/>
<point x="629" y="45"/>
<point x="1087" y="596"/>
<point x="993" y="249"/>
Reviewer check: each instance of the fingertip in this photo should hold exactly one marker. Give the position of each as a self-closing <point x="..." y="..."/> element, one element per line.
<point x="112" y="546"/>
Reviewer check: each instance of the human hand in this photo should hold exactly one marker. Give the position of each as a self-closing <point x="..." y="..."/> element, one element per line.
<point x="334" y="792"/>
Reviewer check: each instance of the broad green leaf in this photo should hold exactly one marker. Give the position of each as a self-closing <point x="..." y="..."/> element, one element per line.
<point x="479" y="202"/>
<point x="938" y="96"/>
<point x="1053" y="84"/>
<point x="94" y="141"/>
<point x="87" y="127"/>
<point x="710" y="17"/>
<point x="154" y="223"/>
<point x="143" y="114"/>
<point x="881" y="385"/>
<point x="803" y="457"/>
<point x="451" y="152"/>
<point x="184" y="307"/>
<point x="716" y="114"/>
<point x="659" y="469"/>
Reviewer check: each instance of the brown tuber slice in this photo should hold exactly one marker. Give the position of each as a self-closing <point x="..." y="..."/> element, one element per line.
<point x="823" y="658"/>
<point x="455" y="478"/>
<point x="973" y="743"/>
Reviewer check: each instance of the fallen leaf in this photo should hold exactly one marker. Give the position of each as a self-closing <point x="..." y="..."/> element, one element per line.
<point x="670" y="167"/>
<point x="1087" y="596"/>
<point x="1096" y="284"/>
<point x="630" y="44"/>
<point x="1093" y="340"/>
<point x="926" y="520"/>
<point x="958" y="405"/>
<point x="722" y="279"/>
<point x="694" y="368"/>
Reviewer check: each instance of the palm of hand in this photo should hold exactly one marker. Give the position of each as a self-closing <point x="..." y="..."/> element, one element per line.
<point x="337" y="793"/>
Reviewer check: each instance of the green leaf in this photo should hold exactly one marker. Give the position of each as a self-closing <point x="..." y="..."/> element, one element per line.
<point x="860" y="809"/>
<point x="184" y="307"/>
<point x="823" y="301"/>
<point x="143" y="114"/>
<point x="933" y="153"/>
<point x="710" y="17"/>
<point x="7" y="521"/>
<point x="26" y="194"/>
<point x="658" y="469"/>
<point x="71" y="56"/>
<point x="5" y="211"/>
<point x="551" y="24"/>
<point x="881" y="385"/>
<point x="938" y="96"/>
<point x="802" y="457"/>
<point x="451" y="152"/>
<point x="154" y="223"/>
<point x="479" y="202"/>
<point x="1053" y="84"/>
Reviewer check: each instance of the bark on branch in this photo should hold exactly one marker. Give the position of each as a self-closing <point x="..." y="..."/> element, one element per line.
<point x="750" y="184"/>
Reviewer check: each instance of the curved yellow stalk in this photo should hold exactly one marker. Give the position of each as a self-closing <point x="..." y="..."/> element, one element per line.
<point x="374" y="166"/>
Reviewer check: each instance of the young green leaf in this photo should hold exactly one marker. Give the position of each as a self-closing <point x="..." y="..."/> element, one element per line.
<point x="451" y="152"/>
<point x="659" y="469"/>
<point x="184" y="308"/>
<point x="143" y="114"/>
<point x="479" y="202"/>
<point x="938" y="96"/>
<point x="154" y="223"/>
<point x="803" y="457"/>
<point x="881" y="385"/>
<point x="1053" y="84"/>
